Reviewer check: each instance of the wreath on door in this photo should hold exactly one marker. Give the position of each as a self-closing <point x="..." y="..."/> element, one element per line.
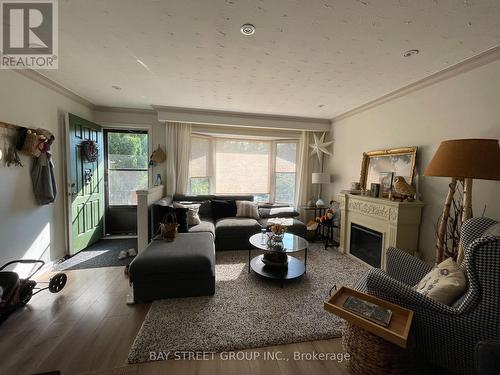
<point x="90" y="151"/>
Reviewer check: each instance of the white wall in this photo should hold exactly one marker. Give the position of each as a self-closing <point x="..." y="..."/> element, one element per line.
<point x="27" y="229"/>
<point x="464" y="106"/>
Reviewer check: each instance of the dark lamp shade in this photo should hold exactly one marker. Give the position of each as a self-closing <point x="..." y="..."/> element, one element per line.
<point x="466" y="158"/>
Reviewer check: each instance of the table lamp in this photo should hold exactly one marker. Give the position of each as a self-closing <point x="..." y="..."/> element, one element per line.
<point x="320" y="178"/>
<point x="465" y="160"/>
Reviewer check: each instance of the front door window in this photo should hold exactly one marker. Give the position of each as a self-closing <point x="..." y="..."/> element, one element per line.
<point x="127" y="162"/>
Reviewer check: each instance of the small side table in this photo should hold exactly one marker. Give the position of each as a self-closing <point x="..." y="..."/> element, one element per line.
<point x="327" y="227"/>
<point x="373" y="348"/>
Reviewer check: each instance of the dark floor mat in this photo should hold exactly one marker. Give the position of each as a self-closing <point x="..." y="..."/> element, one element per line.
<point x="104" y="253"/>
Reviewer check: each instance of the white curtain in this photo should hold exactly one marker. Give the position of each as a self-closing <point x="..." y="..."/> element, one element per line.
<point x="178" y="153"/>
<point x="303" y="173"/>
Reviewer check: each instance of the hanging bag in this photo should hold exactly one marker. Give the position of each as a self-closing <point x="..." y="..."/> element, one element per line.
<point x="169" y="227"/>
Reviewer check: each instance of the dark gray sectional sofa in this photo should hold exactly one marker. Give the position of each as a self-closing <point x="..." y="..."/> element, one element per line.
<point x="230" y="233"/>
<point x="186" y="266"/>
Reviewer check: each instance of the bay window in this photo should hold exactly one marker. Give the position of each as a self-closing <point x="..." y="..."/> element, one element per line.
<point x="265" y="169"/>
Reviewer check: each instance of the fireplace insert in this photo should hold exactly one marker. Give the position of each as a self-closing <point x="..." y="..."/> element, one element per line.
<point x="366" y="244"/>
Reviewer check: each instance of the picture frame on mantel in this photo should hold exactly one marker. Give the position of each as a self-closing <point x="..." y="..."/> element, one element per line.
<point x="400" y="161"/>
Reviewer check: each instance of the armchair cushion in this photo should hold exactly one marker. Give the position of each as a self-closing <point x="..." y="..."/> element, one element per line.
<point x="445" y="283"/>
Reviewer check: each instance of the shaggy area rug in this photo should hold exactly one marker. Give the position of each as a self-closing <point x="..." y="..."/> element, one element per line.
<point x="248" y="311"/>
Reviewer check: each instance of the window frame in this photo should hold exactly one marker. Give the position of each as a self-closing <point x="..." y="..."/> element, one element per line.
<point x="276" y="142"/>
<point x="273" y="144"/>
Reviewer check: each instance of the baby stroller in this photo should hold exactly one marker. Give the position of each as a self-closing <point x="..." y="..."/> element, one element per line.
<point x="16" y="292"/>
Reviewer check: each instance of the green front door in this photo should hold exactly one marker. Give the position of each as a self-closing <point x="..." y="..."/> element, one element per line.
<point x="86" y="181"/>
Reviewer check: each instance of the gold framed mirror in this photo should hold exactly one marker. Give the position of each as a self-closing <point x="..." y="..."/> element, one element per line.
<point x="377" y="166"/>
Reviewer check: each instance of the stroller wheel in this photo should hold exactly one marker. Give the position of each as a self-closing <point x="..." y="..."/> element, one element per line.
<point x="57" y="282"/>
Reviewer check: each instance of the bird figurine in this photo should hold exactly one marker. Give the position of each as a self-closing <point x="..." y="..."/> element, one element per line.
<point x="403" y="190"/>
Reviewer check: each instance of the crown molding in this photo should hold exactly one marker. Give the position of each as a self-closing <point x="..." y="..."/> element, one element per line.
<point x="52" y="85"/>
<point x="241" y="119"/>
<point x="137" y="111"/>
<point x="486" y="57"/>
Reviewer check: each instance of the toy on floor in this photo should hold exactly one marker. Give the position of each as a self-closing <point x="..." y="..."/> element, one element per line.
<point x="16" y="292"/>
<point x="326" y="217"/>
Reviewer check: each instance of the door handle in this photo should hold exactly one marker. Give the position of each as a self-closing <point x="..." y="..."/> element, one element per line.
<point x="72" y="190"/>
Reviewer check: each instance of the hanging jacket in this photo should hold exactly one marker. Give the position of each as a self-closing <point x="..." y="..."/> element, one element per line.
<point x="44" y="181"/>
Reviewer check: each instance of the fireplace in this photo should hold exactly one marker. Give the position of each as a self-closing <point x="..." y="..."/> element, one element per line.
<point x="366" y="244"/>
<point x="376" y="224"/>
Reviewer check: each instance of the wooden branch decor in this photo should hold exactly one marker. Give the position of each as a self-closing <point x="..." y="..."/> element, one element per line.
<point x="466" y="213"/>
<point x="443" y="223"/>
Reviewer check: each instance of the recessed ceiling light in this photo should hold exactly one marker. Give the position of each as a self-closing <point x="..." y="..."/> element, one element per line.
<point x="411" y="52"/>
<point x="116" y="87"/>
<point x="247" y="29"/>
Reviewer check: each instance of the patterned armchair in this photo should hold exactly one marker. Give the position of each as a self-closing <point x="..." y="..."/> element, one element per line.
<point x="446" y="335"/>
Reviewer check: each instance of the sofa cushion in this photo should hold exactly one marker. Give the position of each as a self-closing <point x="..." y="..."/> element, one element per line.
<point x="206" y="225"/>
<point x="223" y="208"/>
<point x="205" y="209"/>
<point x="193" y="217"/>
<point x="268" y="212"/>
<point x="166" y="201"/>
<point x="247" y="209"/>
<point x="236" y="227"/>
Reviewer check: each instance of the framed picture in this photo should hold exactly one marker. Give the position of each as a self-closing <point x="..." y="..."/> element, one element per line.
<point x="386" y="179"/>
<point x="376" y="164"/>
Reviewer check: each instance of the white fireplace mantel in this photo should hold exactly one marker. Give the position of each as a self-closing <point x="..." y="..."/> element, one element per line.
<point x="398" y="222"/>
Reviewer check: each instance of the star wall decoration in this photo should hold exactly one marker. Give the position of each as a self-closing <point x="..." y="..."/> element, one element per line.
<point x="320" y="147"/>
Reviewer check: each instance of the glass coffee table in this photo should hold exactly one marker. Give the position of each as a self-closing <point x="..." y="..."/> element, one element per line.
<point x="276" y="263"/>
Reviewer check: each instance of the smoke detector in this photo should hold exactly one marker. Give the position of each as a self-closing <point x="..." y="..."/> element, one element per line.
<point x="247" y="29"/>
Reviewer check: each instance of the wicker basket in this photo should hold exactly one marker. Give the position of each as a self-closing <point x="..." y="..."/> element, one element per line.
<point x="372" y="355"/>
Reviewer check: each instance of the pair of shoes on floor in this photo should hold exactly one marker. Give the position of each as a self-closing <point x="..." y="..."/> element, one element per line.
<point x="127" y="253"/>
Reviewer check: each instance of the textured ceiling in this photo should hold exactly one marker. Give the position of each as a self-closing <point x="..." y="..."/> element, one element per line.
<point x="307" y="58"/>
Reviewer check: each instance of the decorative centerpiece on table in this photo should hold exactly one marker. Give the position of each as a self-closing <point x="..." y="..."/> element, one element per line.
<point x="275" y="242"/>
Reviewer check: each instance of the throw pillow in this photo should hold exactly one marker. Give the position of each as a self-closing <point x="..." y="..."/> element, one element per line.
<point x="205" y="209"/>
<point x="247" y="209"/>
<point x="223" y="208"/>
<point x="278" y="212"/>
<point x="494" y="230"/>
<point x="193" y="218"/>
<point x="445" y="283"/>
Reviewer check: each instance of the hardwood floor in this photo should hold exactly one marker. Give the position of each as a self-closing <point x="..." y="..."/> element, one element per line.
<point x="88" y="328"/>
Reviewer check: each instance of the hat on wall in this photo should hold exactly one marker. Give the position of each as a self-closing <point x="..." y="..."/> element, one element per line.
<point x="158" y="156"/>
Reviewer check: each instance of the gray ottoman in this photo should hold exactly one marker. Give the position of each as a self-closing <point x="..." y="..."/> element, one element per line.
<point x="182" y="268"/>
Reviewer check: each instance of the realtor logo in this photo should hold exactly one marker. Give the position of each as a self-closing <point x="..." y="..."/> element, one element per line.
<point x="29" y="37"/>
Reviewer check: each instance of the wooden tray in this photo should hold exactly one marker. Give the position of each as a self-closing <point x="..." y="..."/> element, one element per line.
<point x="399" y="326"/>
